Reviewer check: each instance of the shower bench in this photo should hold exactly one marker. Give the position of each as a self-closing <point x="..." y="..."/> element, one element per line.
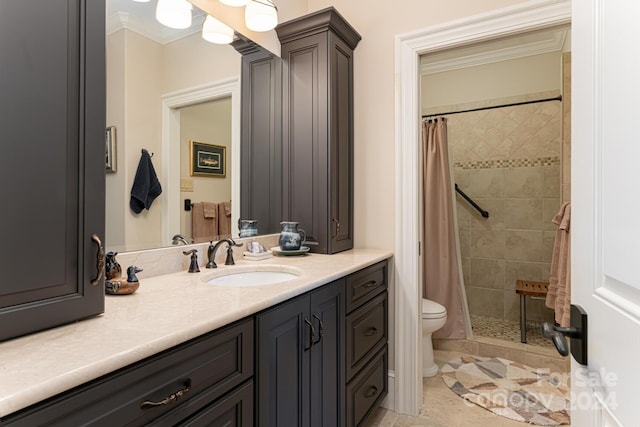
<point x="534" y="290"/>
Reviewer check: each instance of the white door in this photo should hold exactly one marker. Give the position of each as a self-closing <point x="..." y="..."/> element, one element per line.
<point x="605" y="222"/>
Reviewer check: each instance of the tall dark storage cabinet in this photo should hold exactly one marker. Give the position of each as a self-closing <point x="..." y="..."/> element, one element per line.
<point x="317" y="161"/>
<point x="52" y="164"/>
<point x="261" y="136"/>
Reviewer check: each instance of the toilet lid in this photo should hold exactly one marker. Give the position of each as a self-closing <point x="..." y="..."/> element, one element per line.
<point x="432" y="310"/>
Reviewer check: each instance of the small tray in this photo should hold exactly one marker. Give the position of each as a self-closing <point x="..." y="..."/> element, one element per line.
<point x="257" y="256"/>
<point x="302" y="251"/>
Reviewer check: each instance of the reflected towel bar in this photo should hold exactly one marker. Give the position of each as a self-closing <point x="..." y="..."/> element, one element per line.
<point x="484" y="213"/>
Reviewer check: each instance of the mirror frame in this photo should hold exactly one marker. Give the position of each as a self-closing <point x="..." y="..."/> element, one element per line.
<point x="171" y="103"/>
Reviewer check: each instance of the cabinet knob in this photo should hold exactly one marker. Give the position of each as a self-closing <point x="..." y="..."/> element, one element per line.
<point x="372" y="391"/>
<point x="370" y="332"/>
<point x="100" y="259"/>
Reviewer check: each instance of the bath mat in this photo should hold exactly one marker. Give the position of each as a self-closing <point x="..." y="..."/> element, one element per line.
<point x="510" y="389"/>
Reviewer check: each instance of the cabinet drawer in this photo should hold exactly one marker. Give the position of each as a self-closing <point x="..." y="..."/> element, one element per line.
<point x="235" y="409"/>
<point x="216" y="362"/>
<point x="364" y="284"/>
<point x="366" y="333"/>
<point x="367" y="390"/>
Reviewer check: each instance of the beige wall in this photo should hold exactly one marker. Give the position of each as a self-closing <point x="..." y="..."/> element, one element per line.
<point x="522" y="76"/>
<point x="139" y="72"/>
<point x="508" y="161"/>
<point x="209" y="123"/>
<point x="378" y="22"/>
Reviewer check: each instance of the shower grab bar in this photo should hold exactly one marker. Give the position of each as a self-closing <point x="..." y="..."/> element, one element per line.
<point x="484" y="213"/>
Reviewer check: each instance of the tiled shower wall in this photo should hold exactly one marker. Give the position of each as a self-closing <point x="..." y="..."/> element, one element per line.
<point x="507" y="160"/>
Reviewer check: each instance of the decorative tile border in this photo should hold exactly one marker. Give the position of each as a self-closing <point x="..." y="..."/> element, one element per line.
<point x="511" y="163"/>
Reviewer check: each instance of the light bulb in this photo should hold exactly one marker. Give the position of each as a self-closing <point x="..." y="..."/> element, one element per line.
<point x="261" y="15"/>
<point x="235" y="3"/>
<point x="215" y="31"/>
<point x="142" y="1"/>
<point x="174" y="13"/>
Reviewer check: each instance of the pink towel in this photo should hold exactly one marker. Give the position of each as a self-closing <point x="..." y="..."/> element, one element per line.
<point x="559" y="294"/>
<point x="224" y="219"/>
<point x="210" y="209"/>
<point x="203" y="229"/>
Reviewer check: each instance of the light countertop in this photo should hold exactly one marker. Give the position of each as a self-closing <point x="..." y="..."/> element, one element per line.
<point x="166" y="311"/>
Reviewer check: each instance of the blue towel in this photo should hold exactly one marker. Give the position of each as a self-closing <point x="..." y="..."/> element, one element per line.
<point x="146" y="186"/>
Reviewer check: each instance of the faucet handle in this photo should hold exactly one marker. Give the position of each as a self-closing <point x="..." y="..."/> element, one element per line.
<point x="193" y="266"/>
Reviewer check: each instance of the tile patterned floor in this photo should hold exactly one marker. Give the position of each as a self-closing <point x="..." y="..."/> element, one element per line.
<point x="442" y="407"/>
<point x="508" y="331"/>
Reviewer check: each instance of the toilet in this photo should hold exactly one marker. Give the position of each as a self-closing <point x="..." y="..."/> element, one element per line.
<point x="434" y="316"/>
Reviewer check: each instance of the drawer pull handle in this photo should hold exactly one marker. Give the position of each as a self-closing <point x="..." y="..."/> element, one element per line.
<point x="100" y="259"/>
<point x="370" y="332"/>
<point x="373" y="390"/>
<point x="313" y="332"/>
<point x="371" y="284"/>
<point x="173" y="397"/>
<point x="321" y="330"/>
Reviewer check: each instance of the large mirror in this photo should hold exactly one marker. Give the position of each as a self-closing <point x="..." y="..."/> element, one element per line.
<point x="171" y="93"/>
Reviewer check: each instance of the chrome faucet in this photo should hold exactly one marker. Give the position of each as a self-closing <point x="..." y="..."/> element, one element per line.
<point x="213" y="249"/>
<point x="179" y="239"/>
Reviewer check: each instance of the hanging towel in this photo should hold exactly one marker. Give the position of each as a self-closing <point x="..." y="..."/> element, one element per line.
<point x="146" y="186"/>
<point x="559" y="294"/>
<point x="210" y="209"/>
<point x="203" y="229"/>
<point x="224" y="219"/>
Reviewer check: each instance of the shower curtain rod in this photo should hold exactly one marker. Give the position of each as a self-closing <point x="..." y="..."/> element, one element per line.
<point x="557" y="98"/>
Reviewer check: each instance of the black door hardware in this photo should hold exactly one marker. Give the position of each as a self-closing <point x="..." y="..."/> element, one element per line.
<point x="577" y="333"/>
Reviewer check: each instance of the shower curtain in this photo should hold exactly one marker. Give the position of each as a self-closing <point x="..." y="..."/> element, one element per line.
<point x="442" y="270"/>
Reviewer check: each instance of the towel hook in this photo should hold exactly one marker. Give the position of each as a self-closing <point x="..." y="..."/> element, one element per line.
<point x="144" y="150"/>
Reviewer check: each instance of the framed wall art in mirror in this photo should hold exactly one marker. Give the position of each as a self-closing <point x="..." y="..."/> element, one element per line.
<point x="110" y="149"/>
<point x="207" y="159"/>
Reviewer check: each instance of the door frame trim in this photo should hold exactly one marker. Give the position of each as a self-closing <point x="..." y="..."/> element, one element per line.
<point x="171" y="103"/>
<point x="527" y="16"/>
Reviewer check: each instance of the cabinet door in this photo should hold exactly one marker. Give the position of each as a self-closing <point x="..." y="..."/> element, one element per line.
<point x="283" y="364"/>
<point x="327" y="356"/>
<point x="52" y="164"/>
<point x="261" y="137"/>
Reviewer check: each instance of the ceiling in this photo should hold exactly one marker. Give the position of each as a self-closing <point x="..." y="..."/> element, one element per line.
<point x="140" y="17"/>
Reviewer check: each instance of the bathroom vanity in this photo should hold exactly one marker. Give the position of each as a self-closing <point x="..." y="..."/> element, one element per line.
<point x="309" y="351"/>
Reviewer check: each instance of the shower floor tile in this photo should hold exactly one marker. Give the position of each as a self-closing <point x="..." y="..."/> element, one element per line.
<point x="507" y="331"/>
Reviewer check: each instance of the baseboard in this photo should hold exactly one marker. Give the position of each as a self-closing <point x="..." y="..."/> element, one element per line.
<point x="389" y="402"/>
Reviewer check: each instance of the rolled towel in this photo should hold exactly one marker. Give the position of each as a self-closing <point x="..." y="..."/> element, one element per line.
<point x="146" y="186"/>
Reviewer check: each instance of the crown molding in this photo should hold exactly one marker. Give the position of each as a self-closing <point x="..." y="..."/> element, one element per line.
<point x="517" y="47"/>
<point x="151" y="29"/>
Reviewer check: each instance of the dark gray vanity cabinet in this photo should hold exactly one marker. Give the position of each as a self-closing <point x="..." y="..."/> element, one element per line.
<point x="317" y="137"/>
<point x="366" y="342"/>
<point x="261" y="136"/>
<point x="300" y="360"/>
<point x="205" y="381"/>
<point x="52" y="161"/>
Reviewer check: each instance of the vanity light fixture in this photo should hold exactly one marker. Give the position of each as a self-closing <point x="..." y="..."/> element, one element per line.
<point x="215" y="31"/>
<point x="142" y="1"/>
<point x="261" y="15"/>
<point x="235" y="3"/>
<point x="174" y="13"/>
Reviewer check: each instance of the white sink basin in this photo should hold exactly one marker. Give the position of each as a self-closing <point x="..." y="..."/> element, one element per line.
<point x="262" y="277"/>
